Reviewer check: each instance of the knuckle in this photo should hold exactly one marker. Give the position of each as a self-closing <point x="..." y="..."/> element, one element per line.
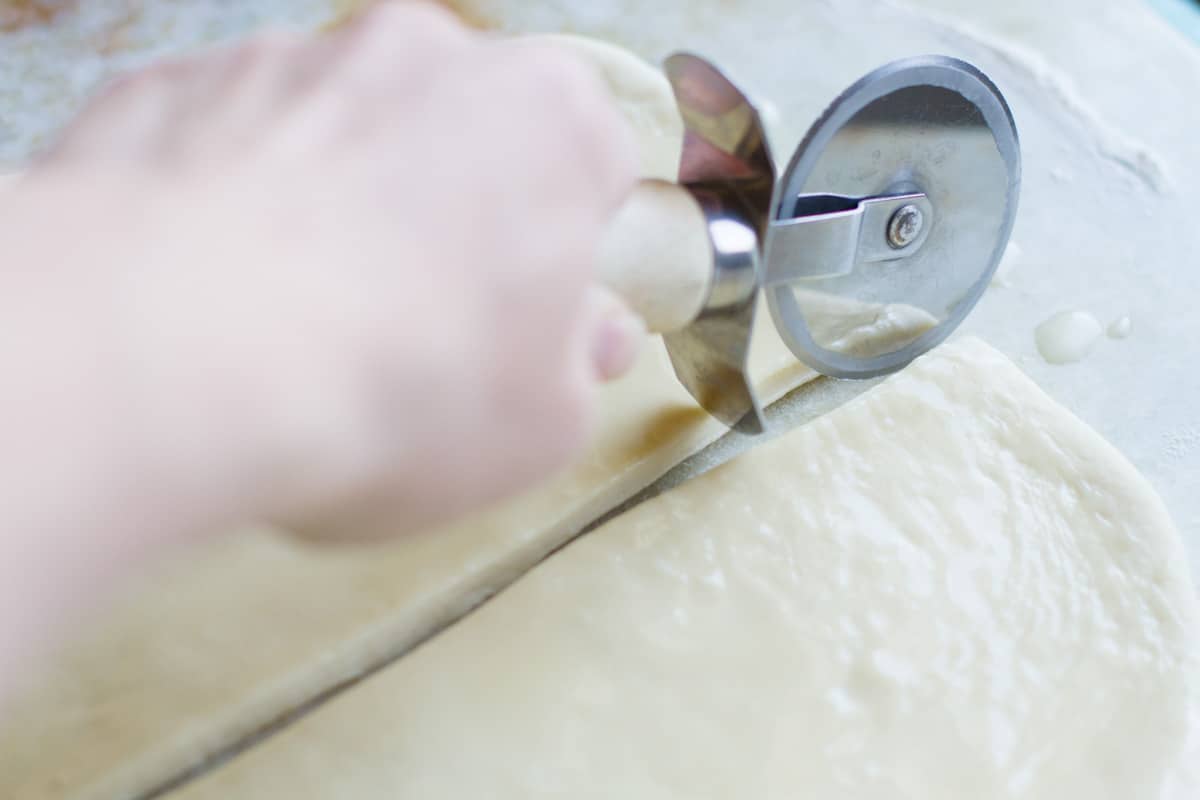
<point x="262" y="48"/>
<point x="154" y="81"/>
<point x="123" y="98"/>
<point x="392" y="21"/>
<point x="132" y="86"/>
<point x="592" y="135"/>
<point x="557" y="77"/>
<point x="601" y="131"/>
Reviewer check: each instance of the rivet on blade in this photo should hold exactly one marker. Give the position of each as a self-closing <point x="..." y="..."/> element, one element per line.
<point x="905" y="226"/>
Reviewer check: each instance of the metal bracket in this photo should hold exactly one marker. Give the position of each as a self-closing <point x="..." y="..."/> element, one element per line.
<point x="829" y="235"/>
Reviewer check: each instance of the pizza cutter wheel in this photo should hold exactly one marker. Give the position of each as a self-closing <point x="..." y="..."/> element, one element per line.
<point x="901" y="195"/>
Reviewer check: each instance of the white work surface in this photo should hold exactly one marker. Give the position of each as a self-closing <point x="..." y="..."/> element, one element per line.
<point x="1104" y="93"/>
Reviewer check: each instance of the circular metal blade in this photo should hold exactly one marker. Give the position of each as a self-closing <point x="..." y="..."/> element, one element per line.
<point x="928" y="124"/>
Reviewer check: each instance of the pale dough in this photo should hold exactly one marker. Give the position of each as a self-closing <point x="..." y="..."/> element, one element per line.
<point x="948" y="588"/>
<point x="860" y="329"/>
<point x="212" y="649"/>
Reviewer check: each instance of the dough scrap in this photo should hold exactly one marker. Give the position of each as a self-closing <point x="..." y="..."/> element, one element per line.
<point x="860" y="329"/>
<point x="949" y="587"/>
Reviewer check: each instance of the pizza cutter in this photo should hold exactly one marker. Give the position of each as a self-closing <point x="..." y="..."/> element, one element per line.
<point x="901" y="196"/>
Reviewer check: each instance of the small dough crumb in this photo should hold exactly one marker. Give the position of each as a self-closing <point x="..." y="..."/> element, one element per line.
<point x="1120" y="328"/>
<point x="1067" y="337"/>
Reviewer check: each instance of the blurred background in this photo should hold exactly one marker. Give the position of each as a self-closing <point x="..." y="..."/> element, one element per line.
<point x="53" y="52"/>
<point x="1183" y="14"/>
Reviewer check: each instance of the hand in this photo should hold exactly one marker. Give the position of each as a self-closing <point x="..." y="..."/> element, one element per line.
<point x="349" y="279"/>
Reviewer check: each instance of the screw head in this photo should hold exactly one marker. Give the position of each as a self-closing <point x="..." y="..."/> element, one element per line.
<point x="905" y="226"/>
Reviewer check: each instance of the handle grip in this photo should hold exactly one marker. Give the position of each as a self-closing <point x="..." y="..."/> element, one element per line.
<point x="656" y="255"/>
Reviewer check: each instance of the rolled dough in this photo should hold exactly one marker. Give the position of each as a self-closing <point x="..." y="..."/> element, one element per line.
<point x="948" y="588"/>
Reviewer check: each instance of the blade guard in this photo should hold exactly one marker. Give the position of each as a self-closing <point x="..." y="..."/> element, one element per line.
<point x="727" y="165"/>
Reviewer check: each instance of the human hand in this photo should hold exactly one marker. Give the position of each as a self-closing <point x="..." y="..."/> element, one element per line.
<point x="356" y="287"/>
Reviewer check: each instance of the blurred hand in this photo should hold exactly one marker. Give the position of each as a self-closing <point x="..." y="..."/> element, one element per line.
<point x="349" y="279"/>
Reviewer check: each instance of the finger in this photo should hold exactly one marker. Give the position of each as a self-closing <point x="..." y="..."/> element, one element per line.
<point x="372" y="73"/>
<point x="549" y="120"/>
<point x="392" y="48"/>
<point x="614" y="334"/>
<point x="254" y="79"/>
<point x="124" y="120"/>
<point x="239" y="93"/>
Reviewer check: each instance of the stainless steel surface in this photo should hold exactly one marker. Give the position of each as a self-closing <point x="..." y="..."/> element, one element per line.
<point x="727" y="164"/>
<point x="832" y="234"/>
<point x="710" y="359"/>
<point x="710" y="356"/>
<point x="725" y="149"/>
<point x="930" y="124"/>
<point x="735" y="255"/>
